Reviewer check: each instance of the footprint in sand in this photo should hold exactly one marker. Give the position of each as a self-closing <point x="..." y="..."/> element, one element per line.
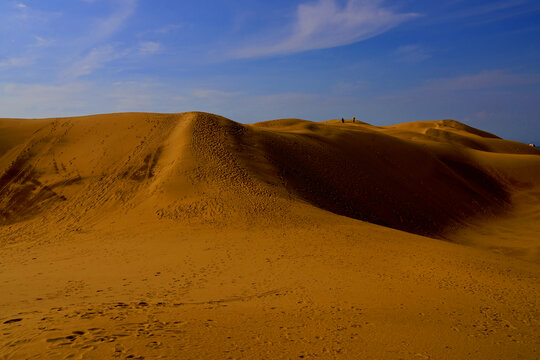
<point x="154" y="345"/>
<point x="119" y="350"/>
<point x="53" y="340"/>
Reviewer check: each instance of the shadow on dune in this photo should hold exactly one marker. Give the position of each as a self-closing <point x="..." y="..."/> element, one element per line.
<point x="373" y="177"/>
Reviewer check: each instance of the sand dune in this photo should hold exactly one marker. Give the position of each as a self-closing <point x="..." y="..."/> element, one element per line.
<point x="190" y="235"/>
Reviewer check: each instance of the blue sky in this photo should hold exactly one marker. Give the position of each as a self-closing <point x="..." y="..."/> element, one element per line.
<point x="384" y="62"/>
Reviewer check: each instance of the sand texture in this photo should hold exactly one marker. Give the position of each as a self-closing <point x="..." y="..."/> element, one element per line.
<point x="191" y="236"/>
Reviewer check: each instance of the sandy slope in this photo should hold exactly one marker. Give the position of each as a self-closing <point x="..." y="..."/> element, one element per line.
<point x="192" y="236"/>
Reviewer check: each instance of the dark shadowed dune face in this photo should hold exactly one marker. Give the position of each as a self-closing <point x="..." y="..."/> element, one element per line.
<point x="368" y="175"/>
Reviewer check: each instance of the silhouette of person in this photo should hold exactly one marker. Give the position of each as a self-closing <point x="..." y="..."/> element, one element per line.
<point x="342" y="120"/>
<point x="353" y="119"/>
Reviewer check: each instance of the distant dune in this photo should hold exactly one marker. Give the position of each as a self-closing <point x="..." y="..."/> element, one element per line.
<point x="301" y="239"/>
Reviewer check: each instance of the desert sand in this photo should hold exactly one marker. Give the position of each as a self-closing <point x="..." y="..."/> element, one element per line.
<point x="191" y="236"/>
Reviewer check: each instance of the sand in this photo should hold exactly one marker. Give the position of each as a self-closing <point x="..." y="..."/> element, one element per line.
<point x="191" y="236"/>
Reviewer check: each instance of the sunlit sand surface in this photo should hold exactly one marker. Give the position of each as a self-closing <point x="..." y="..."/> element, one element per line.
<point x="191" y="236"/>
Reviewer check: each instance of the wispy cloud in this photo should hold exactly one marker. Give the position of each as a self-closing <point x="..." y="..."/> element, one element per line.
<point x="160" y="31"/>
<point x="486" y="12"/>
<point x="77" y="98"/>
<point x="104" y="28"/>
<point x="325" y="24"/>
<point x="483" y="80"/>
<point x="94" y="60"/>
<point x="40" y="100"/>
<point x="490" y="8"/>
<point x="94" y="50"/>
<point x="42" y="42"/>
<point x="411" y="54"/>
<point x="125" y="95"/>
<point x="14" y="62"/>
<point x="99" y="56"/>
<point x="485" y="84"/>
<point x="149" y="47"/>
<point x="18" y="17"/>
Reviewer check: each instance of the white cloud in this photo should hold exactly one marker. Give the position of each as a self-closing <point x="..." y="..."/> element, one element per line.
<point x="324" y="24"/>
<point x="507" y="8"/>
<point x="97" y="52"/>
<point x="21" y="6"/>
<point x="445" y="89"/>
<point x="149" y="47"/>
<point x="162" y="30"/>
<point x="131" y="96"/>
<point x="99" y="56"/>
<point x="40" y="100"/>
<point x="482" y="80"/>
<point x="42" y="42"/>
<point x="79" y="98"/>
<point x="94" y="60"/>
<point x="14" y="62"/>
<point x="104" y="28"/>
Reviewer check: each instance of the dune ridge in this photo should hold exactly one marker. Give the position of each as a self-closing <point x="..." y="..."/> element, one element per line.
<point x="205" y="168"/>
